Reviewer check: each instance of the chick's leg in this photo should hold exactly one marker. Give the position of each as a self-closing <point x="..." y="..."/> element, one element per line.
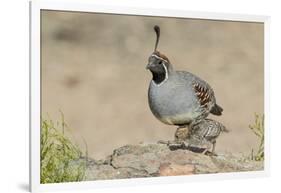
<point x="214" y="146"/>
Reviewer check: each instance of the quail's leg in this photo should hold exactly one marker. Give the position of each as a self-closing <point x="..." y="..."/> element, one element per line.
<point x="208" y="146"/>
<point x="213" y="148"/>
<point x="212" y="153"/>
<point x="205" y="151"/>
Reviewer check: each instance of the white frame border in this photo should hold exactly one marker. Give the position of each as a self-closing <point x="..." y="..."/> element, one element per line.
<point x="36" y="7"/>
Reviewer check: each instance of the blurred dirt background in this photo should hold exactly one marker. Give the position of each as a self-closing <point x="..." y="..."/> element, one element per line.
<point x="93" y="70"/>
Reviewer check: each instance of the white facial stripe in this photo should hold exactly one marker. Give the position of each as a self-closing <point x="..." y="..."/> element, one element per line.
<point x="159" y="57"/>
<point x="166" y="71"/>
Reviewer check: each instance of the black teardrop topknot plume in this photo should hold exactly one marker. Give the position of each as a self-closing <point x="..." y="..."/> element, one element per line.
<point x="157" y="31"/>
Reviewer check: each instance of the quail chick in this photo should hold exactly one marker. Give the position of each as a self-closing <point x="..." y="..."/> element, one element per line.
<point x="205" y="133"/>
<point x="182" y="134"/>
<point x="178" y="97"/>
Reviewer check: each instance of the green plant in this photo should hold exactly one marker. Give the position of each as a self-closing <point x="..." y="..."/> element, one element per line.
<point x="60" y="159"/>
<point x="258" y="129"/>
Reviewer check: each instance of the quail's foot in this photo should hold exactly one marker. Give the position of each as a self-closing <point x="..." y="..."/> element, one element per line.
<point x="175" y="144"/>
<point x="178" y="145"/>
<point x="213" y="147"/>
<point x="212" y="152"/>
<point x="209" y="153"/>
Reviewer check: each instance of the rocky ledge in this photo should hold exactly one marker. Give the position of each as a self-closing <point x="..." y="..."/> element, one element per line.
<point x="151" y="160"/>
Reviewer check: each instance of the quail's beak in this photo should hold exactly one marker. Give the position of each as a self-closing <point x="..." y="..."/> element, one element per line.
<point x="149" y="66"/>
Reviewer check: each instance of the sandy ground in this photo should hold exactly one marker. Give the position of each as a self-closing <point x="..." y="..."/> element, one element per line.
<point x="93" y="69"/>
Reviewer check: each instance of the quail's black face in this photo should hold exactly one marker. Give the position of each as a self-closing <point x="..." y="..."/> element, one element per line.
<point x="156" y="65"/>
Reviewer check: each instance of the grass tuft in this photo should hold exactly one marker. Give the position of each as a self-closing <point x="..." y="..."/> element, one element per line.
<point x="258" y="130"/>
<point x="60" y="158"/>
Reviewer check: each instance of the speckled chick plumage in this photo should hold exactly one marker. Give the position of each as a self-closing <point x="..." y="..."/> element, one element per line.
<point x="206" y="132"/>
<point x="178" y="97"/>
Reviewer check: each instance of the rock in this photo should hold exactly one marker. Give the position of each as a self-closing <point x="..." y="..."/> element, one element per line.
<point x="151" y="160"/>
<point x="147" y="162"/>
<point x="171" y="169"/>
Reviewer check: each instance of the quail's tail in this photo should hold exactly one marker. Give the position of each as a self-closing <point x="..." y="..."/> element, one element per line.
<point x="216" y="110"/>
<point x="224" y="129"/>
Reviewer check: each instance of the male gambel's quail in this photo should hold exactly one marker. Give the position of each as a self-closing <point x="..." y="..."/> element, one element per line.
<point x="178" y="97"/>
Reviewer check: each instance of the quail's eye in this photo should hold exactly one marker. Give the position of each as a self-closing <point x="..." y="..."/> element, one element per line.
<point x="160" y="62"/>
